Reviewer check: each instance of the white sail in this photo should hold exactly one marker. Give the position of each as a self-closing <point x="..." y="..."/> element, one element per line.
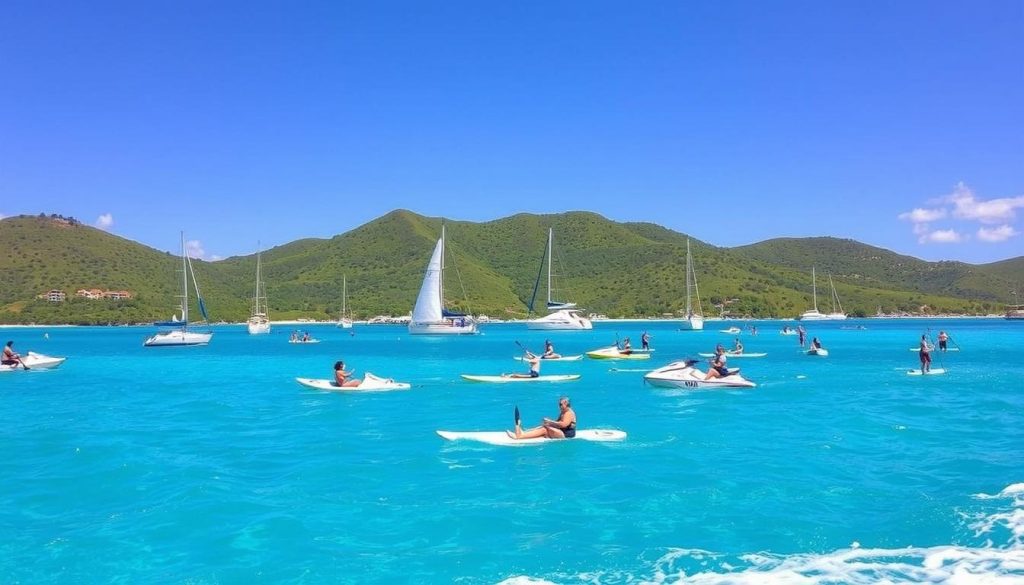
<point x="428" y="303"/>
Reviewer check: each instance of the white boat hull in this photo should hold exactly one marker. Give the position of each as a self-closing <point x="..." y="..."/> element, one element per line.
<point x="35" y="361"/>
<point x="681" y="375"/>
<point x="564" y="320"/>
<point x="258" y="327"/>
<point x="509" y="379"/>
<point x="613" y="353"/>
<point x="502" y="439"/>
<point x="444" y="328"/>
<point x="345" y="323"/>
<point x="813" y="315"/>
<point x="692" y="324"/>
<point x="178" y="337"/>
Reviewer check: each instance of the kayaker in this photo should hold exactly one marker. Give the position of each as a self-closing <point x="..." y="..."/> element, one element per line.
<point x="534" y="372"/>
<point x="645" y="341"/>
<point x="737" y="347"/>
<point x="549" y="351"/>
<point x="562" y="428"/>
<point x="343" y="379"/>
<point x="925" y="353"/>
<point x="9" y="357"/>
<point x="943" y="338"/>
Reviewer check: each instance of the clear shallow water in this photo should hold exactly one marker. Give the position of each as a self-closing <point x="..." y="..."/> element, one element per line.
<point x="211" y="465"/>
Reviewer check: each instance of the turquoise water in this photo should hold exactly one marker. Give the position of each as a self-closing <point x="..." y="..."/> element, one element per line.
<point x="211" y="465"/>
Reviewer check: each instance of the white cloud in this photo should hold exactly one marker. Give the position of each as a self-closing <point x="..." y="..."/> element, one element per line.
<point x="105" y="221"/>
<point x="2" y="216"/>
<point x="194" y="248"/>
<point x="921" y="215"/>
<point x="997" y="234"/>
<point x="215" y="258"/>
<point x="941" y="237"/>
<point x="967" y="206"/>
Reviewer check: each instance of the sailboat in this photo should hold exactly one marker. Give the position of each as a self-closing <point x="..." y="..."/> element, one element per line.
<point x="344" y="320"/>
<point x="429" y="317"/>
<point x="259" y="321"/>
<point x="694" y="320"/>
<point x="565" y="316"/>
<point x="181" y="334"/>
<point x="814" y="314"/>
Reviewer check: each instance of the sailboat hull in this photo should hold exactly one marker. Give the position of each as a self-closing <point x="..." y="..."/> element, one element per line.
<point x="444" y="328"/>
<point x="178" y="337"/>
<point x="813" y="315"/>
<point x="692" y="324"/>
<point x="345" y="323"/>
<point x="258" y="327"/>
<point x="561" y="321"/>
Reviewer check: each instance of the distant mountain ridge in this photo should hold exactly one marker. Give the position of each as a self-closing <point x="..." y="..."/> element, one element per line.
<point x="619" y="269"/>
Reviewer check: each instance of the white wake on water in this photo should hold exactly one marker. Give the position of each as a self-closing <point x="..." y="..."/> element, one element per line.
<point x="952" y="564"/>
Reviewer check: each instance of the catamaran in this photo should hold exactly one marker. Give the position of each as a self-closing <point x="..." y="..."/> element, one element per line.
<point x="429" y="317"/>
<point x="344" y="320"/>
<point x="694" y="320"/>
<point x="181" y="335"/>
<point x="259" y="321"/>
<point x="814" y="314"/>
<point x="565" y="316"/>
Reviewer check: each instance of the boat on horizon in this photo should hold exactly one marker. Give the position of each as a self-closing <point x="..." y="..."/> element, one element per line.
<point x="429" y="316"/>
<point x="814" y="314"/>
<point x="694" y="320"/>
<point x="259" y="319"/>
<point x="565" y="316"/>
<point x="181" y="335"/>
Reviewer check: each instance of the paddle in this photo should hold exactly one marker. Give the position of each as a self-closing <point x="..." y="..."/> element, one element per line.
<point x="523" y="348"/>
<point x="517" y="419"/>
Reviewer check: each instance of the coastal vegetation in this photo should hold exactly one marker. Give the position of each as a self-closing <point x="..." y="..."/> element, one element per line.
<point x="618" y="269"/>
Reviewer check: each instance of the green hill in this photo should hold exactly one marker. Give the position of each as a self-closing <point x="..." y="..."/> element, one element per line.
<point x="620" y="269"/>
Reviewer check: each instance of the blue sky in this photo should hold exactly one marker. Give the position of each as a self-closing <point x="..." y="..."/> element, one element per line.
<point x="898" y="124"/>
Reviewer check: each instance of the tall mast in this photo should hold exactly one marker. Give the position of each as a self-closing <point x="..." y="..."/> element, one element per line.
<point x="440" y="281"/>
<point x="550" y="259"/>
<point x="689" y="280"/>
<point x="814" y="289"/>
<point x="256" y="294"/>
<point x="344" y="296"/>
<point x="184" y="283"/>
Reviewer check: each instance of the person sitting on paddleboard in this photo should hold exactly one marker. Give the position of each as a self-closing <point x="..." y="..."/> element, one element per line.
<point x="717" y="369"/>
<point x="815" y="344"/>
<point x="549" y="351"/>
<point x="10" y="358"/>
<point x="626" y="347"/>
<point x="534" y="362"/>
<point x="925" y="353"/>
<point x="645" y="341"/>
<point x="737" y="346"/>
<point x="343" y="379"/>
<point x="562" y="428"/>
<point x="943" y="338"/>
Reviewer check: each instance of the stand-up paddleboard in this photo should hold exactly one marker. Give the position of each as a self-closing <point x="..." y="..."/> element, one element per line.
<point x="506" y="379"/>
<point x="564" y="358"/>
<point x="501" y="438"/>
<point x="613" y="353"/>
<point x="370" y="383"/>
<point x="300" y="342"/>
<point x="936" y="349"/>
<point x="931" y="372"/>
<point x="735" y="355"/>
<point x="818" y="352"/>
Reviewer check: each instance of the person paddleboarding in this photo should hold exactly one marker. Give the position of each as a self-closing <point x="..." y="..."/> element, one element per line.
<point x="534" y="362"/>
<point x="564" y="427"/>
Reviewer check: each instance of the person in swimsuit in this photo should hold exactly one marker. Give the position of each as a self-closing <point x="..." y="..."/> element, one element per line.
<point x="737" y="347"/>
<point x="534" y="372"/>
<point x="645" y="341"/>
<point x="925" y="354"/>
<point x="815" y="344"/>
<point x="343" y="379"/>
<point x="9" y="357"/>
<point x="718" y="368"/>
<point x="802" y="333"/>
<point x="562" y="428"/>
<point x="549" y="351"/>
<point x="943" y="338"/>
<point x="626" y="347"/>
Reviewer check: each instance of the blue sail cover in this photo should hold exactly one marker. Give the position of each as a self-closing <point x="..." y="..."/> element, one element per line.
<point x="447" y="313"/>
<point x="202" y="309"/>
<point x="170" y="323"/>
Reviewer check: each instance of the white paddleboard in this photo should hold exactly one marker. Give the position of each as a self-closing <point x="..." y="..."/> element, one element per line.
<point x="818" y="352"/>
<point x="300" y="342"/>
<point x="931" y="372"/>
<point x="564" y="358"/>
<point x="936" y="349"/>
<point x="735" y="355"/>
<point x="502" y="439"/>
<point x="506" y="379"/>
